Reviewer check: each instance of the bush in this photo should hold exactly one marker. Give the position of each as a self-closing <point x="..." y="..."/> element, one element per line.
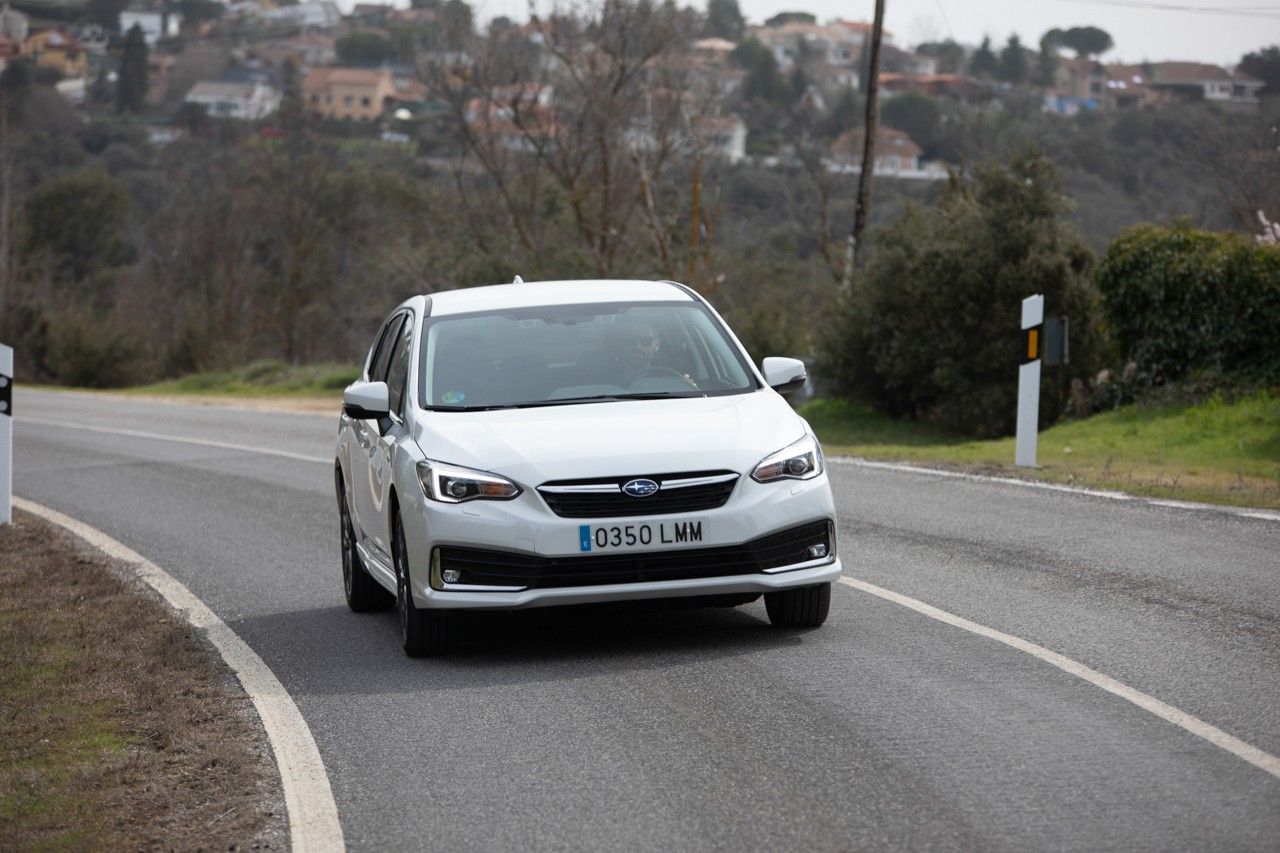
<point x="93" y="352"/>
<point x="931" y="330"/>
<point x="1177" y="300"/>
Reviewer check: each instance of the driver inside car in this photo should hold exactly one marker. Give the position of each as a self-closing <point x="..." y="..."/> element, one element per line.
<point x="635" y="346"/>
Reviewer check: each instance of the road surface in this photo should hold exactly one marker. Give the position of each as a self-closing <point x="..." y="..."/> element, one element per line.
<point x="668" y="729"/>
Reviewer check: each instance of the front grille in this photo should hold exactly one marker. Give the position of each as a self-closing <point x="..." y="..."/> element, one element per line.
<point x="503" y="568"/>
<point x="603" y="497"/>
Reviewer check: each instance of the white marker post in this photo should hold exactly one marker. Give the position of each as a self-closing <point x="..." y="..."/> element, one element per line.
<point x="1029" y="382"/>
<point x="6" y="434"/>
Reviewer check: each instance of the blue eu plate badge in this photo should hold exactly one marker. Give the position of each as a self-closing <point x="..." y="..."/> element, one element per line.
<point x="584" y="537"/>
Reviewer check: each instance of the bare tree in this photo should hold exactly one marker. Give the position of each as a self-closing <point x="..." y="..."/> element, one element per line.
<point x="593" y="124"/>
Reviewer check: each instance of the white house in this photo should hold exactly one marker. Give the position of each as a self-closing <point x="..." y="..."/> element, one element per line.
<point x="312" y="14"/>
<point x="239" y="101"/>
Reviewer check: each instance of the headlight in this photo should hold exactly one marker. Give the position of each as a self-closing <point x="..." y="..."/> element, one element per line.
<point x="451" y="484"/>
<point x="799" y="461"/>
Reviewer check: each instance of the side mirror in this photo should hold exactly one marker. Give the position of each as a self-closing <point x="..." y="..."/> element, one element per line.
<point x="366" y="400"/>
<point x="785" y="375"/>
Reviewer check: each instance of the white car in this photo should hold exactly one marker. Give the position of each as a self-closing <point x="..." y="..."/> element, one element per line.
<point x="552" y="443"/>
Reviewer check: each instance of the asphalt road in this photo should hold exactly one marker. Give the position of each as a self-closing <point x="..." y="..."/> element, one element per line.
<point x="598" y="728"/>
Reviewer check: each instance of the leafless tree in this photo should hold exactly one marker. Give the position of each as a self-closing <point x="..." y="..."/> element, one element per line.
<point x="588" y="131"/>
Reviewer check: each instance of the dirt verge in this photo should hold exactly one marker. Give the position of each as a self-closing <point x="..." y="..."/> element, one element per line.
<point x="120" y="728"/>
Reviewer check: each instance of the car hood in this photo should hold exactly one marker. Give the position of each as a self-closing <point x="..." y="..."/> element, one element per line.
<point x="623" y="438"/>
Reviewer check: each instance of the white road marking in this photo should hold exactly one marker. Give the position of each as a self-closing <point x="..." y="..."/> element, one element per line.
<point x="313" y="814"/>
<point x="1245" y="512"/>
<point x="201" y="442"/>
<point x="1264" y="761"/>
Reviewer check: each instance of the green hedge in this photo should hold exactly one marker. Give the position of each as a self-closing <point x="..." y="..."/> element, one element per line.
<point x="1176" y="300"/>
<point x="932" y="330"/>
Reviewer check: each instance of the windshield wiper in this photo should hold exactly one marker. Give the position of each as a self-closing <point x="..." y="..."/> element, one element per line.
<point x="569" y="401"/>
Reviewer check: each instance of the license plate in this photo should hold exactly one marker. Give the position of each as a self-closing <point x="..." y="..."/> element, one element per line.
<point x="651" y="534"/>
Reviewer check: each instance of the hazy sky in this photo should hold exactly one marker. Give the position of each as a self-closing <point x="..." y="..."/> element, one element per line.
<point x="1139" y="32"/>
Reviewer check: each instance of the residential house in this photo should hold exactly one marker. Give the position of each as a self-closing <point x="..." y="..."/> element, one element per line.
<point x="722" y="136"/>
<point x="896" y="153"/>
<point x="956" y="86"/>
<point x="308" y="50"/>
<point x="310" y="14"/>
<point x="901" y="61"/>
<point x="154" y="25"/>
<point x="837" y="43"/>
<point x="1128" y="87"/>
<point x="349" y="94"/>
<point x="1195" y="81"/>
<point x="513" y="117"/>
<point x="59" y="49"/>
<point x="237" y="101"/>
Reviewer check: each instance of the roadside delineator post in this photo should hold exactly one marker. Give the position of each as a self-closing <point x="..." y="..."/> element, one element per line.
<point x="1029" y="381"/>
<point x="6" y="434"/>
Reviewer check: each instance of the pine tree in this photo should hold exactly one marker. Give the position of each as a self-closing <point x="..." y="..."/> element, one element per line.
<point x="1013" y="62"/>
<point x="984" y="63"/>
<point x="131" y="85"/>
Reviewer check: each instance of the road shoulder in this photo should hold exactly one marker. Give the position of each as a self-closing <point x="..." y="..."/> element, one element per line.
<point x="120" y="726"/>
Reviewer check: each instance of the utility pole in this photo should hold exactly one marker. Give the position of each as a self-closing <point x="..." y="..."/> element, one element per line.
<point x="857" y="254"/>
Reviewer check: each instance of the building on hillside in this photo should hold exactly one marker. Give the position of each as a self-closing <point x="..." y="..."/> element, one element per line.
<point x="310" y="15"/>
<point x="837" y="42"/>
<point x="1128" y="87"/>
<point x="235" y="101"/>
<point x="59" y="49"/>
<point x="956" y="86"/>
<point x="308" y="50"/>
<point x="1195" y="81"/>
<point x="897" y="60"/>
<point x="154" y="25"/>
<point x="349" y="94"/>
<point x="724" y="137"/>
<point x="896" y="153"/>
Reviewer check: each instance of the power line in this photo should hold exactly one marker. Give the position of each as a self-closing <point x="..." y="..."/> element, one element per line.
<point x="1261" y="12"/>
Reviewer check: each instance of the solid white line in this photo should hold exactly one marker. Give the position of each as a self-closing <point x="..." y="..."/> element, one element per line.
<point x="313" y="814"/>
<point x="1214" y="735"/>
<point x="1247" y="512"/>
<point x="201" y="442"/>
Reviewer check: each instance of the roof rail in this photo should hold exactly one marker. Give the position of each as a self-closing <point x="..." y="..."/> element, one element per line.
<point x="517" y="280"/>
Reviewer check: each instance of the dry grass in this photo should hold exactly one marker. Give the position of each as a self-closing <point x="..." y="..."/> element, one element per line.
<point x="119" y="728"/>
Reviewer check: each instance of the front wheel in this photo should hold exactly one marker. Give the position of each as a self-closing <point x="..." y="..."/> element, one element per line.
<point x="802" y="607"/>
<point x="423" y="632"/>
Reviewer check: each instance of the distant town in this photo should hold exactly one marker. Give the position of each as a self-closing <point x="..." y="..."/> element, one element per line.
<point x="244" y="62"/>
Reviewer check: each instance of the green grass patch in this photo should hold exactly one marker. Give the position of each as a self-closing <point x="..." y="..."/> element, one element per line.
<point x="1217" y="451"/>
<point x="268" y="378"/>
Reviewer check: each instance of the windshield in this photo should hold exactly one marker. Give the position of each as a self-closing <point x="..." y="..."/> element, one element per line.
<point x="563" y="354"/>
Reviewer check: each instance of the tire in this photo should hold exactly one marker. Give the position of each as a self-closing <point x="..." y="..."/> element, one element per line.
<point x="362" y="592"/>
<point x="803" y="607"/>
<point x="423" y="632"/>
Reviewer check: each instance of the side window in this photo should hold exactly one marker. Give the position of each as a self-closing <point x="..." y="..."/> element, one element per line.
<point x="378" y="370"/>
<point x="399" y="368"/>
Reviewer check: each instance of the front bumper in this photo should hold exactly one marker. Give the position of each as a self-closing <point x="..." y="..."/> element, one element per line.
<point x="525" y="526"/>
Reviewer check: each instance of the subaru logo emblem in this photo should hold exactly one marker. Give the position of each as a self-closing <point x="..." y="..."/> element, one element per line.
<point x="640" y="488"/>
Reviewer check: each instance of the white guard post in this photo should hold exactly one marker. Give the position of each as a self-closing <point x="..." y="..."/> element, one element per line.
<point x="6" y="434"/>
<point x="1029" y="382"/>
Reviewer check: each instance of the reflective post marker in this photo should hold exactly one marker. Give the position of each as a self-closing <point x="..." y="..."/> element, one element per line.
<point x="6" y="434"/>
<point x="1029" y="381"/>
